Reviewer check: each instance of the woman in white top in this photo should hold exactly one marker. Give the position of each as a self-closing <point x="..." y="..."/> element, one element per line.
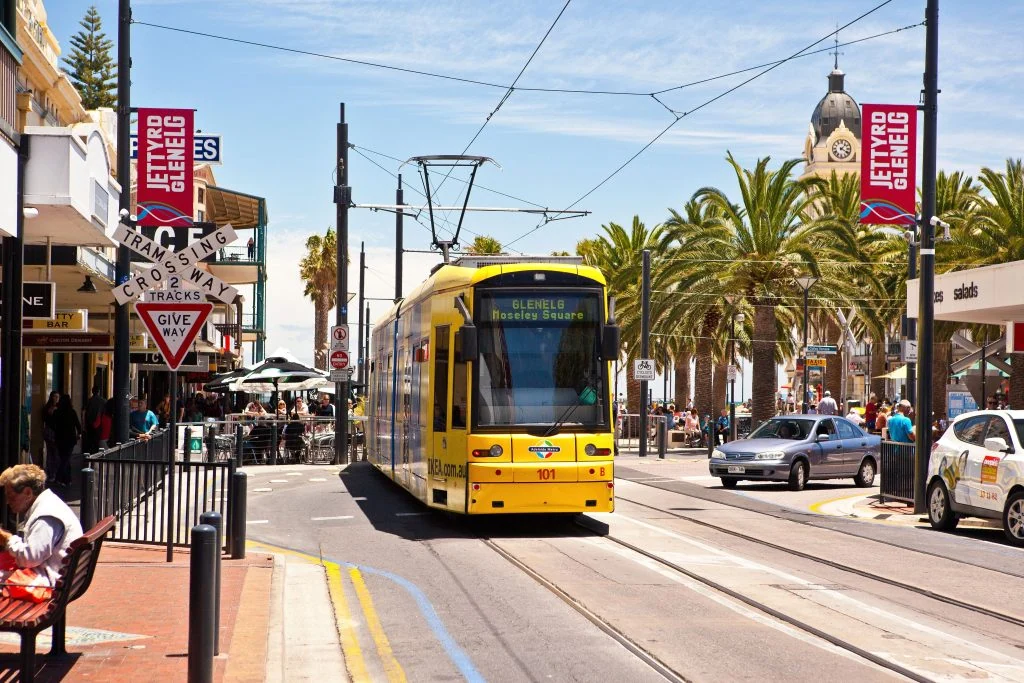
<point x="855" y="418"/>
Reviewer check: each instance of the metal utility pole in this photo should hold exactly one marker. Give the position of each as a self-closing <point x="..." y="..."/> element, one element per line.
<point x="122" y="357"/>
<point x="14" y="248"/>
<point x="359" y="330"/>
<point x="366" y="351"/>
<point x="806" y="283"/>
<point x="645" y="346"/>
<point x="399" y="247"/>
<point x="926" y="302"/>
<point x="342" y="199"/>
<point x="911" y="332"/>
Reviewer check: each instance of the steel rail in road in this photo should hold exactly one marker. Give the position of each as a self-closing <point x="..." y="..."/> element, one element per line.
<point x="618" y="636"/>
<point x="808" y="522"/>
<point x="761" y="607"/>
<point x="1016" y="621"/>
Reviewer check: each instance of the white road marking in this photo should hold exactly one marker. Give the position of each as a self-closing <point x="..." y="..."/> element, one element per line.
<point x="293" y="474"/>
<point x="258" y="521"/>
<point x="318" y="479"/>
<point x="359" y="498"/>
<point x="325" y="519"/>
<point x="279" y="481"/>
<point x="408" y="514"/>
<point x="263" y="490"/>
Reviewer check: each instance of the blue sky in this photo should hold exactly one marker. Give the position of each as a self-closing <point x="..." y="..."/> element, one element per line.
<point x="277" y="110"/>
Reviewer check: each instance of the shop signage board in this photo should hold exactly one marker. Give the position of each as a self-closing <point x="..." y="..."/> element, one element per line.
<point x="205" y="148"/>
<point x="67" y="321"/>
<point x="165" y="167"/>
<point x="152" y="360"/>
<point x="816" y="363"/>
<point x="339" y="338"/>
<point x="1014" y="337"/>
<point x="173" y="326"/>
<point x="888" y="190"/>
<point x="68" y="341"/>
<point x="643" y="369"/>
<point x="167" y="264"/>
<point x="38" y="300"/>
<point x="139" y="342"/>
<point x="176" y="239"/>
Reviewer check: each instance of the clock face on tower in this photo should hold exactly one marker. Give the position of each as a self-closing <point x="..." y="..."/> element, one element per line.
<point x="842" y="149"/>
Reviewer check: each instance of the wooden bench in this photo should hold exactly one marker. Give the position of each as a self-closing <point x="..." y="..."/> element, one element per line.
<point x="28" y="618"/>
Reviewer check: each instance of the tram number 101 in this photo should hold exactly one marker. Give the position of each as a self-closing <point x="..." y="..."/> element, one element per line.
<point x="546" y="474"/>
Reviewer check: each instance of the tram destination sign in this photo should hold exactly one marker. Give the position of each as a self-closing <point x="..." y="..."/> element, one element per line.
<point x="539" y="308"/>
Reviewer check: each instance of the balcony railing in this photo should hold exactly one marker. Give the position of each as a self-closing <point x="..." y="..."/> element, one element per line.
<point x="240" y="255"/>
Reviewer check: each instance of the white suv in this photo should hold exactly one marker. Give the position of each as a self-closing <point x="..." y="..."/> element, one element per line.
<point x="977" y="469"/>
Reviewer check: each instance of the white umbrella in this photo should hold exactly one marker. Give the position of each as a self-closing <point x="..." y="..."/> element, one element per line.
<point x="278" y="373"/>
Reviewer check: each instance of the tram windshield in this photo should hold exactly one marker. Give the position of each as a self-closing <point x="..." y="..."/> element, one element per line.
<point x="539" y="362"/>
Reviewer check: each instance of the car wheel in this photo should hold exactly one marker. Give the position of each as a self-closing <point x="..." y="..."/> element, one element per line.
<point x="798" y="476"/>
<point x="866" y="474"/>
<point x="1013" y="519"/>
<point x="940" y="514"/>
<point x="729" y="482"/>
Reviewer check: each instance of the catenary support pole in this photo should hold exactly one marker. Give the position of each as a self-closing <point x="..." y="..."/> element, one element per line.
<point x="172" y="468"/>
<point x="121" y="312"/>
<point x="201" y="603"/>
<point x="645" y="344"/>
<point x="360" y="379"/>
<point x="213" y="518"/>
<point x="911" y="331"/>
<point x="926" y="303"/>
<point x="732" y="380"/>
<point x="399" y="238"/>
<point x="806" y="389"/>
<point x="10" y="379"/>
<point x="342" y="199"/>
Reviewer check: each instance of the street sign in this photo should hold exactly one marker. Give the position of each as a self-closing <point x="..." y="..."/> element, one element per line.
<point x="643" y="369"/>
<point x="816" y="363"/>
<point x="173" y="326"/>
<point x="339" y="360"/>
<point x="730" y="372"/>
<point x="340" y="375"/>
<point x="339" y="338"/>
<point x="909" y="350"/>
<point x="822" y="349"/>
<point x="169" y="263"/>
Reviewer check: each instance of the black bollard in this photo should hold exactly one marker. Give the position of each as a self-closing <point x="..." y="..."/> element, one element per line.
<point x="201" y="626"/>
<point x="273" y="445"/>
<point x="187" y="446"/>
<point x="236" y="515"/>
<point x="213" y="518"/>
<point x="88" y="502"/>
<point x="238" y="445"/>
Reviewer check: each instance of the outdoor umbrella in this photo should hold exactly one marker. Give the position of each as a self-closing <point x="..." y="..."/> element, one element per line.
<point x="222" y="383"/>
<point x="279" y="373"/>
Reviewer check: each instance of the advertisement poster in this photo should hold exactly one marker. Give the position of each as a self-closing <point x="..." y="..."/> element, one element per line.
<point x="959" y="401"/>
<point x="166" y="139"/>
<point x="888" y="164"/>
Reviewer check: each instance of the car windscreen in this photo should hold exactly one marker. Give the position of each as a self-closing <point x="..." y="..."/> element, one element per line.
<point x="1019" y="426"/>
<point x="794" y="429"/>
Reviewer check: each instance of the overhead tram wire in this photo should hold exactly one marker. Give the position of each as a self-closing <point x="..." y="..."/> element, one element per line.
<point x="680" y="115"/>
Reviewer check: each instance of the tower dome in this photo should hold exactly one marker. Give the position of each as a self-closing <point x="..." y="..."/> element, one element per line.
<point x="834" y="107"/>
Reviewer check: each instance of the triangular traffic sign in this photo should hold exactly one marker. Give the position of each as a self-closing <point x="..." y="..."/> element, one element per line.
<point x="173" y="326"/>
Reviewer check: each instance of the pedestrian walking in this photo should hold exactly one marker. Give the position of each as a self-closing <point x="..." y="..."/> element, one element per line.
<point x="90" y="418"/>
<point x="68" y="430"/>
<point x="827" y="405"/>
<point x="50" y="436"/>
<point x="900" y="427"/>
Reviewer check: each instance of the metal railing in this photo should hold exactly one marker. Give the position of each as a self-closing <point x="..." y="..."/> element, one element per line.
<point x="269" y="440"/>
<point x="897" y="471"/>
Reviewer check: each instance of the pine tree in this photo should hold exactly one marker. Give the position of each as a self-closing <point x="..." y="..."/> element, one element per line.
<point x="90" y="66"/>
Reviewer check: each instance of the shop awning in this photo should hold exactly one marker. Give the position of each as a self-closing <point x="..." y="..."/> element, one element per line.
<point x="898" y="373"/>
<point x="237" y="208"/>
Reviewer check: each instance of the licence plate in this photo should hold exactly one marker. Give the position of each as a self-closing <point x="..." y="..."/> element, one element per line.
<point x="737" y="469"/>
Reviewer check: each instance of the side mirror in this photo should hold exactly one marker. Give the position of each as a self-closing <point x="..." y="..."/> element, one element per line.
<point x="997" y="444"/>
<point x="823" y="437"/>
<point x="466" y="339"/>
<point x="610" y="342"/>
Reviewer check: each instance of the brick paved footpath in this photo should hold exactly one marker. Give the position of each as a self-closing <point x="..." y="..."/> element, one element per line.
<point x="132" y="624"/>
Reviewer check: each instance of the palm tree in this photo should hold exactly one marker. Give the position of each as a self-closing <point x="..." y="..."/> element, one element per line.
<point x="993" y="232"/>
<point x="484" y="244"/>
<point x="319" y="271"/>
<point x="756" y="248"/>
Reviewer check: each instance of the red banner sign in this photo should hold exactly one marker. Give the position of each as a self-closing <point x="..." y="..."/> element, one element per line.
<point x="888" y="160"/>
<point x="165" y="167"/>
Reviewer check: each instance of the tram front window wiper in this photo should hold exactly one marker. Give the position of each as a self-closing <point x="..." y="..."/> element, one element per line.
<point x="587" y="396"/>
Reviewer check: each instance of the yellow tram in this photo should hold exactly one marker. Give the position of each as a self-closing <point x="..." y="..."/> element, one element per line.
<point x="489" y="388"/>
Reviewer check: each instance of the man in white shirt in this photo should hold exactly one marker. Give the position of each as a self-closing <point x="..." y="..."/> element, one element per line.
<point x="50" y="525"/>
<point x="827" y="405"/>
<point x="855" y="418"/>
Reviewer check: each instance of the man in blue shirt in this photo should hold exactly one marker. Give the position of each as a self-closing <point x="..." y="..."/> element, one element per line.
<point x="142" y="421"/>
<point x="899" y="425"/>
<point x="722" y="426"/>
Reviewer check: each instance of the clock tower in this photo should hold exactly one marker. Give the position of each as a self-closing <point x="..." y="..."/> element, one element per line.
<point x="834" y="135"/>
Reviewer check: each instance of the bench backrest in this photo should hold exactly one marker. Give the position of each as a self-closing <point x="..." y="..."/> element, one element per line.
<point x="80" y="563"/>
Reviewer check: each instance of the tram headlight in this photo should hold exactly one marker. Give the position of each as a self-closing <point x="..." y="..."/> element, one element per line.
<point x="496" y="450"/>
<point x="590" y="449"/>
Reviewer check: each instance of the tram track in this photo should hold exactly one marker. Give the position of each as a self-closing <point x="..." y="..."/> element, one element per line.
<point x="954" y="602"/>
<point x="807" y="522"/>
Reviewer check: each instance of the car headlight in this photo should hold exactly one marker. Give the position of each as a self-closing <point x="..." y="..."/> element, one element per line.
<point x="718" y="454"/>
<point x="770" y="455"/>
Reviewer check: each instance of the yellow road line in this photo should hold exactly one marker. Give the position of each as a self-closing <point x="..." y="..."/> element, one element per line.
<point x="816" y="507"/>
<point x="391" y="666"/>
<point x="343" y="617"/>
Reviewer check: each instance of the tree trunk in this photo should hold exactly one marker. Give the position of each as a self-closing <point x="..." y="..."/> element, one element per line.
<point x="878" y="367"/>
<point x="765" y="380"/>
<point x="703" y="400"/>
<point x="632" y="392"/>
<point x="1016" y="397"/>
<point x="320" y="309"/>
<point x="720" y="390"/>
<point x="682" y="380"/>
<point x="940" y="378"/>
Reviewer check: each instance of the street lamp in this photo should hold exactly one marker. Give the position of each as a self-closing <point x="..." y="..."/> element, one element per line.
<point x="805" y="282"/>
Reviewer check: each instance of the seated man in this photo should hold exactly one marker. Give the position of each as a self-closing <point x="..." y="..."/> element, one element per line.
<point x="142" y="421"/>
<point x="50" y="527"/>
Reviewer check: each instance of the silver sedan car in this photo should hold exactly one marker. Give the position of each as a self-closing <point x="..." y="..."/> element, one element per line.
<point x="796" y="448"/>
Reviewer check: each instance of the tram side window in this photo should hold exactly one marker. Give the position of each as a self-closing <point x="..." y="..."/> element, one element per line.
<point x="441" y="378"/>
<point x="459" y="389"/>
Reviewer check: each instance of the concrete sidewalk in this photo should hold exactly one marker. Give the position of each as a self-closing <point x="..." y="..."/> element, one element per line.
<point x="132" y="624"/>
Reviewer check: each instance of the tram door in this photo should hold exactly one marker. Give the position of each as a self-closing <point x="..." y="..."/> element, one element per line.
<point x="437" y="487"/>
